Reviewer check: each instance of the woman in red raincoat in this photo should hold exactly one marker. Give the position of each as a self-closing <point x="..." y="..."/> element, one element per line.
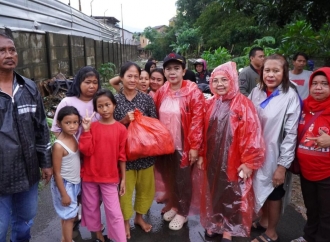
<point x="233" y="148"/>
<point x="180" y="105"/>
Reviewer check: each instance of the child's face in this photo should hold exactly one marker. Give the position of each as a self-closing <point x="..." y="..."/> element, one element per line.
<point x="156" y="81"/>
<point x="105" y="107"/>
<point x="143" y="84"/>
<point x="89" y="87"/>
<point x="199" y="68"/>
<point x="69" y="124"/>
<point x="152" y="67"/>
<point x="174" y="73"/>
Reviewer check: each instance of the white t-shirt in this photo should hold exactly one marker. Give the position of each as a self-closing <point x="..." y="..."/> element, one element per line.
<point x="301" y="81"/>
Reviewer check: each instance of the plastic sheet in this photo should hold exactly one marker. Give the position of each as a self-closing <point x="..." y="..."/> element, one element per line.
<point x="147" y="137"/>
<point x="232" y="137"/>
<point x="191" y="103"/>
<point x="182" y="112"/>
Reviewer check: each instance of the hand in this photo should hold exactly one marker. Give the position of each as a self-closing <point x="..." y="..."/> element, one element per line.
<point x="122" y="188"/>
<point x="323" y="141"/>
<point x="66" y="200"/>
<point x="247" y="172"/>
<point x="129" y="116"/>
<point x="279" y="176"/>
<point x="86" y="123"/>
<point x="193" y="156"/>
<point x="200" y="163"/>
<point x="46" y="174"/>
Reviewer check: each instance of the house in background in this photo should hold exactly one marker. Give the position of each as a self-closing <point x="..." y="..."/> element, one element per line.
<point x="124" y="36"/>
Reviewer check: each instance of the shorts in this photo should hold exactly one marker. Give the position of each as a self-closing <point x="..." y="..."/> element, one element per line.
<point x="73" y="190"/>
<point x="277" y="193"/>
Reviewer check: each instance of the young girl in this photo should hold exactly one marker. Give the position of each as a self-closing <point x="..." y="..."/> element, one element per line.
<point x="65" y="183"/>
<point x="103" y="145"/>
<point x="143" y="84"/>
<point x="157" y="80"/>
<point x="80" y="95"/>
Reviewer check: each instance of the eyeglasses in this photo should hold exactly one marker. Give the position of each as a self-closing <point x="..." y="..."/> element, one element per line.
<point x="221" y="81"/>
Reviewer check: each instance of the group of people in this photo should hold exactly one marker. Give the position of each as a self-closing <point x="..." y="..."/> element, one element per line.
<point x="232" y="151"/>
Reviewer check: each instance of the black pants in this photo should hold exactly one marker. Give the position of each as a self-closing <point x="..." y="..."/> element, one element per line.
<point x="317" y="201"/>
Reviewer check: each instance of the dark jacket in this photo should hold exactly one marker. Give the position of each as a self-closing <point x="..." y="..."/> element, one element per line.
<point x="203" y="77"/>
<point x="24" y="137"/>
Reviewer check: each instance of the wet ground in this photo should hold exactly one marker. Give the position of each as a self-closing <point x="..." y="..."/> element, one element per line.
<point x="47" y="226"/>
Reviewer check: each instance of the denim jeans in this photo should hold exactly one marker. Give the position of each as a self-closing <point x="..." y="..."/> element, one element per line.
<point x="19" y="209"/>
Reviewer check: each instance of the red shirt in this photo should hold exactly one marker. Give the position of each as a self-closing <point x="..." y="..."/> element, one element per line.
<point x="314" y="164"/>
<point x="103" y="147"/>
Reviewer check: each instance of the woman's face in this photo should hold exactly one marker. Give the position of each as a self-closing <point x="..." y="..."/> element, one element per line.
<point x="220" y="85"/>
<point x="131" y="78"/>
<point x="88" y="87"/>
<point x="156" y="81"/>
<point x="143" y="84"/>
<point x="319" y="89"/>
<point x="152" y="67"/>
<point x="273" y="74"/>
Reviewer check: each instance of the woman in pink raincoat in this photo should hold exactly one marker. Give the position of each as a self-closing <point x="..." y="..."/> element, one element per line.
<point x="233" y="149"/>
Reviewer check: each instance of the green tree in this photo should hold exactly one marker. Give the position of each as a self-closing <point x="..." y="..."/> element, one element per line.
<point x="282" y="12"/>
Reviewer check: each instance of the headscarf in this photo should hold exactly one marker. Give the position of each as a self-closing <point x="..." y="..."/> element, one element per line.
<point x="310" y="103"/>
<point x="229" y="71"/>
<point x="74" y="90"/>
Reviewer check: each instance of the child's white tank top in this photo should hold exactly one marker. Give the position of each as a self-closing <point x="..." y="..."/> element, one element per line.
<point x="70" y="169"/>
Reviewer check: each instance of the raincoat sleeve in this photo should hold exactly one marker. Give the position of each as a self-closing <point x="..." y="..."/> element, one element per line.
<point x="86" y="144"/>
<point x="290" y="125"/>
<point x="251" y="146"/>
<point x="197" y="107"/>
<point x="42" y="135"/>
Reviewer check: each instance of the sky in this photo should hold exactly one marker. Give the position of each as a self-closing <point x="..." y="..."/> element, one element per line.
<point x="137" y="14"/>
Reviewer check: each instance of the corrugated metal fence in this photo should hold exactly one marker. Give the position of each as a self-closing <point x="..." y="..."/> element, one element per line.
<point x="53" y="16"/>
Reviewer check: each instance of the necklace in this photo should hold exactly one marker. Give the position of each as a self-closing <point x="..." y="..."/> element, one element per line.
<point x="312" y="113"/>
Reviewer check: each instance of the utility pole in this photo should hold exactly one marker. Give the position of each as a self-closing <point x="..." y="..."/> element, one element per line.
<point x="79" y="6"/>
<point x="122" y="24"/>
<point x="104" y="16"/>
<point x="91" y="8"/>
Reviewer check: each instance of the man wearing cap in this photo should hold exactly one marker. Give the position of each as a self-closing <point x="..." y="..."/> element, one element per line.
<point x="24" y="146"/>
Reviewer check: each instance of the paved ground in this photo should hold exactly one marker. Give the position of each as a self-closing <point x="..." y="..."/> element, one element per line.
<point x="47" y="226"/>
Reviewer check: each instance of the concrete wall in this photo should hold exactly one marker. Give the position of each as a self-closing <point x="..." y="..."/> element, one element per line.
<point x="43" y="55"/>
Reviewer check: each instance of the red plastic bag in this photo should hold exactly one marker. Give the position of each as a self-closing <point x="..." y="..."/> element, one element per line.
<point x="147" y="137"/>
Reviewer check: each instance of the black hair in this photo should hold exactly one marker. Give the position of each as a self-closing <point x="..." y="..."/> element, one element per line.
<point x="126" y="66"/>
<point x="286" y="83"/>
<point x="103" y="92"/>
<point x="151" y="59"/>
<point x="253" y="51"/>
<point x="295" y="56"/>
<point x="67" y="110"/>
<point x="159" y="70"/>
<point x="7" y="34"/>
<point x="148" y="65"/>
<point x="82" y="74"/>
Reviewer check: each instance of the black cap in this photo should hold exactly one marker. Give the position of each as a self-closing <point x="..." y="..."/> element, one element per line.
<point x="174" y="57"/>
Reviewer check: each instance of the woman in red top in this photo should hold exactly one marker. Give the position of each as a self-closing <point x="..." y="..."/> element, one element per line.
<point x="314" y="157"/>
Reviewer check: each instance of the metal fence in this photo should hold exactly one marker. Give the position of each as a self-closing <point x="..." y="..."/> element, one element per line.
<point x="53" y="16"/>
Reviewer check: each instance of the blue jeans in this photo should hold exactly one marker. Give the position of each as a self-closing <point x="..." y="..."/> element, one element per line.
<point x="19" y="208"/>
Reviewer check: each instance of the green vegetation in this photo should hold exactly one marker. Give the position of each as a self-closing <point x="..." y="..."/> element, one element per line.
<point x="222" y="30"/>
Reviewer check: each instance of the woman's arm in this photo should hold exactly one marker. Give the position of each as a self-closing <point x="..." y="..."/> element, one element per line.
<point x="115" y="83"/>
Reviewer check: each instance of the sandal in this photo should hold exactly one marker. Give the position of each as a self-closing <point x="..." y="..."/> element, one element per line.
<point x="169" y="215"/>
<point x="264" y="237"/>
<point x="256" y="226"/>
<point x="177" y="222"/>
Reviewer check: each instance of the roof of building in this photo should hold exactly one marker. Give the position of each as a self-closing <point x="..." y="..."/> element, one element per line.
<point x="110" y="19"/>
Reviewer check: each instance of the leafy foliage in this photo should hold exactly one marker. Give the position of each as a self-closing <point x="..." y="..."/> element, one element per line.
<point x="282" y="12"/>
<point x="107" y="71"/>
